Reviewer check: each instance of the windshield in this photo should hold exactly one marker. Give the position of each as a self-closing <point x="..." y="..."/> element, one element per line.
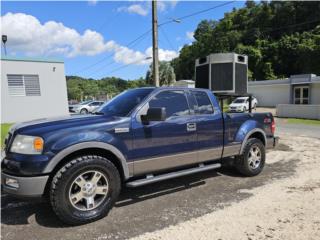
<point x="239" y="100"/>
<point x="85" y="102"/>
<point x="124" y="103"/>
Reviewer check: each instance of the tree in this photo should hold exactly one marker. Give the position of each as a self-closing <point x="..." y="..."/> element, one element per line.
<point x="166" y="74"/>
<point x="281" y="38"/>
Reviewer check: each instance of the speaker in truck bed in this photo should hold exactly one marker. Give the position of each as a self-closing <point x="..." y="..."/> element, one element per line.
<point x="224" y="73"/>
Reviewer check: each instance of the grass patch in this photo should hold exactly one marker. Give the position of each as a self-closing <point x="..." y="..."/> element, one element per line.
<point x="4" y="131"/>
<point x="303" y="121"/>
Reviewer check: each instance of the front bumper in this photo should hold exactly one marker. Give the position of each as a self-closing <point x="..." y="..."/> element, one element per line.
<point x="272" y="142"/>
<point x="28" y="186"/>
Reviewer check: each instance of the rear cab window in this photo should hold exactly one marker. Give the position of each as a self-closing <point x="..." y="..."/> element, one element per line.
<point x="174" y="101"/>
<point x="204" y="105"/>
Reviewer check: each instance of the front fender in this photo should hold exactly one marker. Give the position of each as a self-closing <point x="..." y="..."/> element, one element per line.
<point x="246" y="130"/>
<point x="86" y="145"/>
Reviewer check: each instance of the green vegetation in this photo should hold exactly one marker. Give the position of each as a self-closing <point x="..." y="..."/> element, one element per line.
<point x="281" y="38"/>
<point x="82" y="89"/>
<point x="303" y="121"/>
<point x="166" y="74"/>
<point x="4" y="130"/>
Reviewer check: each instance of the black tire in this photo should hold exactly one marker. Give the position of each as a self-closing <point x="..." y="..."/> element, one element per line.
<point x="242" y="162"/>
<point x="64" y="179"/>
<point x="83" y="111"/>
<point x="244" y="109"/>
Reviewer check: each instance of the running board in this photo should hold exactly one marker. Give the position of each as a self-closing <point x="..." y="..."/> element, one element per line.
<point x="152" y="179"/>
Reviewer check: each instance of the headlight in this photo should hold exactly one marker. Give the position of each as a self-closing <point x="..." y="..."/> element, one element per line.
<point x="27" y="145"/>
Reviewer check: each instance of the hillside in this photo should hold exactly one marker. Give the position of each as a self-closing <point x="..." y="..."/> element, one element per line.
<point x="280" y="38"/>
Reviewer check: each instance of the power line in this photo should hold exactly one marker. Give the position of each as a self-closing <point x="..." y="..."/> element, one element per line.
<point x="166" y="37"/>
<point x="111" y="18"/>
<point x="292" y="25"/>
<point x="127" y="65"/>
<point x="159" y="25"/>
<point x="113" y="62"/>
<point x="197" y="13"/>
<point x="110" y="55"/>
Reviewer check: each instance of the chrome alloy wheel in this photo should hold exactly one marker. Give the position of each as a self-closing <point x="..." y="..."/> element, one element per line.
<point x="88" y="190"/>
<point x="254" y="158"/>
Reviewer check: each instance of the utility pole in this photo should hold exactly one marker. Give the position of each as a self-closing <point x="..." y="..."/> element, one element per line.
<point x="4" y="40"/>
<point x="155" y="43"/>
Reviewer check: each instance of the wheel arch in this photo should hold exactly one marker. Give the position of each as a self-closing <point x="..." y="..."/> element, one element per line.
<point x="254" y="133"/>
<point x="91" y="148"/>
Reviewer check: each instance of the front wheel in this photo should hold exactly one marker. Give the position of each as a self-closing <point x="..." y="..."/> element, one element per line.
<point x="252" y="161"/>
<point x="85" y="189"/>
<point x="84" y="111"/>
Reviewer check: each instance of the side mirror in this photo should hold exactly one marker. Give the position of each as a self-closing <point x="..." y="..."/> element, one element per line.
<point x="154" y="114"/>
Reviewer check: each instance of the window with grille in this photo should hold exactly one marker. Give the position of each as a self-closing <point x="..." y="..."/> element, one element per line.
<point x="23" y="85"/>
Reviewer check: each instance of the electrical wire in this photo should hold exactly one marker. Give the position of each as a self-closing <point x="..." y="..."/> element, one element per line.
<point x="147" y="32"/>
<point x="166" y="37"/>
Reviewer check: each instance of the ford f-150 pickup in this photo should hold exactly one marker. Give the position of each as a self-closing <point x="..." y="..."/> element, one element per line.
<point x="140" y="137"/>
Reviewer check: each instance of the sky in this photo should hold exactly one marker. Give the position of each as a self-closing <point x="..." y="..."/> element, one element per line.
<point x="94" y="38"/>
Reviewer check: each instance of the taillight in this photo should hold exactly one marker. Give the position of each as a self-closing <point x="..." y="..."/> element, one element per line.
<point x="273" y="126"/>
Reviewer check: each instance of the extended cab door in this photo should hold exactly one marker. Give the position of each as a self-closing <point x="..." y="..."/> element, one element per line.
<point x="161" y="145"/>
<point x="209" y="126"/>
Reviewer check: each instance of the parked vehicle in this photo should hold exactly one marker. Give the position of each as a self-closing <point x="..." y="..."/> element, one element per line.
<point x="241" y="104"/>
<point x="85" y="107"/>
<point x="142" y="136"/>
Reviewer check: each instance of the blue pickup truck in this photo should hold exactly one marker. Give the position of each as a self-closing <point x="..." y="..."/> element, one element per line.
<point x="140" y="137"/>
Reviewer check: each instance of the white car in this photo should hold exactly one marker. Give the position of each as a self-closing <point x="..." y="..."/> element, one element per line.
<point x="85" y="107"/>
<point x="241" y="104"/>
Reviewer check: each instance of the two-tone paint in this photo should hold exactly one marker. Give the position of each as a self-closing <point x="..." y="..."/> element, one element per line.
<point x="139" y="149"/>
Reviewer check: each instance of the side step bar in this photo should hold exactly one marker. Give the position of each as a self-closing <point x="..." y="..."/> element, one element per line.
<point x="152" y="179"/>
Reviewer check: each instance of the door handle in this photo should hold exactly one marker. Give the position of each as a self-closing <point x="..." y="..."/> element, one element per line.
<point x="191" y="127"/>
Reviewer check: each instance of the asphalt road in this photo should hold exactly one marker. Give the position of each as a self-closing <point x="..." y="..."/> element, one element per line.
<point x="297" y="129"/>
<point x="141" y="210"/>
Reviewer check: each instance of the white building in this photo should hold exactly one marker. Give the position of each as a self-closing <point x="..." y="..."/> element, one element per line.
<point x="298" y="89"/>
<point x="185" y="83"/>
<point x="32" y="89"/>
<point x="297" y="96"/>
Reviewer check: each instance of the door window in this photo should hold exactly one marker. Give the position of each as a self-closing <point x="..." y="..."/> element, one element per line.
<point x="301" y="95"/>
<point x="175" y="103"/>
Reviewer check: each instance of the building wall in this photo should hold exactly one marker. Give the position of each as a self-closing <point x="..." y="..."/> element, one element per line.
<point x="315" y="93"/>
<point x="271" y="95"/>
<point x="53" y="100"/>
<point x="298" y="111"/>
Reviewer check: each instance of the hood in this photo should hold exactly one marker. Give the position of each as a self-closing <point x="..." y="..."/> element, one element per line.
<point x="41" y="126"/>
<point x="236" y="104"/>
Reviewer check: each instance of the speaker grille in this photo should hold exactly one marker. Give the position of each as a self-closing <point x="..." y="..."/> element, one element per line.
<point x="202" y="76"/>
<point x="221" y="77"/>
<point x="241" y="78"/>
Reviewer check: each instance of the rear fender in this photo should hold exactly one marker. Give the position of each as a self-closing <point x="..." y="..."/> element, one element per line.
<point x="246" y="130"/>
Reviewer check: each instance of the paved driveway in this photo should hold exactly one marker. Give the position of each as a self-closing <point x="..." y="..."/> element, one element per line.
<point x="297" y="129"/>
<point x="140" y="210"/>
<point x="153" y="207"/>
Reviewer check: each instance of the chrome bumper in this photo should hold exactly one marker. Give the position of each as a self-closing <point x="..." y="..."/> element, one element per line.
<point x="272" y="142"/>
<point x="27" y="186"/>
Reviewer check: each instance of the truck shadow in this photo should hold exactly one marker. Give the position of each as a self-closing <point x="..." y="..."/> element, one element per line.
<point x="22" y="212"/>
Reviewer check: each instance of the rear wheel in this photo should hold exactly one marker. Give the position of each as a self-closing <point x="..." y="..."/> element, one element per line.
<point x="252" y="161"/>
<point x="85" y="189"/>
